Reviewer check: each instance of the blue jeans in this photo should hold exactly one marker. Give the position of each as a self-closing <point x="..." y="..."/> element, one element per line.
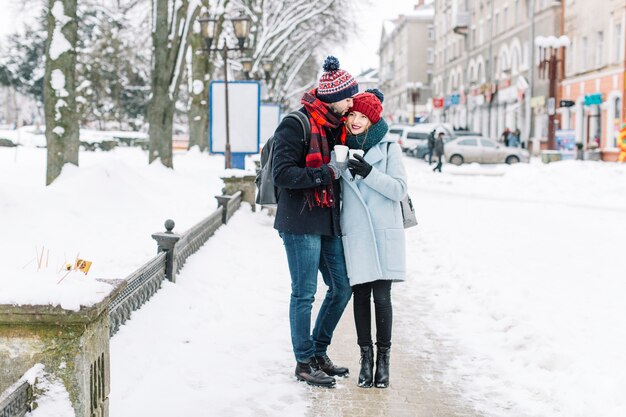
<point x="306" y="254"/>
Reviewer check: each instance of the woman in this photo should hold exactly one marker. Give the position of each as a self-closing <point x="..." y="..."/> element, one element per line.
<point x="373" y="233"/>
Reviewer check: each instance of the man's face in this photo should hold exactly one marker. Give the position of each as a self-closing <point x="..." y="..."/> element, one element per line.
<point x="341" y="107"/>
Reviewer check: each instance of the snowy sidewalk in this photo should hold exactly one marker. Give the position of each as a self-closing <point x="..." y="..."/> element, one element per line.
<point x="217" y="343"/>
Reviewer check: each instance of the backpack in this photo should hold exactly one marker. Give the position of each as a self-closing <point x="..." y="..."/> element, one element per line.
<point x="267" y="193"/>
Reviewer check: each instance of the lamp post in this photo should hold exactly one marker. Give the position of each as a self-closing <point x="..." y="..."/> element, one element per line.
<point x="548" y="61"/>
<point x="415" y="92"/>
<point x="241" y="26"/>
<point x="267" y="65"/>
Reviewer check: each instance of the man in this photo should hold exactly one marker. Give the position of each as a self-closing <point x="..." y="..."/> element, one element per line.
<point x="439" y="151"/>
<point x="431" y="146"/>
<point x="307" y="219"/>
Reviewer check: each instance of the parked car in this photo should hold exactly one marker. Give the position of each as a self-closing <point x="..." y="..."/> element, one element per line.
<point x="7" y="142"/>
<point x="412" y="136"/>
<point x="421" y="150"/>
<point x="466" y="133"/>
<point x="467" y="149"/>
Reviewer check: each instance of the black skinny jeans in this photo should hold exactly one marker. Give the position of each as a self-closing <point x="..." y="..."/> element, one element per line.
<point x="383" y="310"/>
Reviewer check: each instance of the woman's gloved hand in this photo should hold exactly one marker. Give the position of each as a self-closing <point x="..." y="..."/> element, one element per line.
<point x="359" y="166"/>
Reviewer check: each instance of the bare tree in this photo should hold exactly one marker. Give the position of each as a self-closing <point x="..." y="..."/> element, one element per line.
<point x="62" y="132"/>
<point x="170" y="39"/>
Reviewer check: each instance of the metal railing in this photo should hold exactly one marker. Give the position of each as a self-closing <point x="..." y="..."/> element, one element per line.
<point x="18" y="402"/>
<point x="174" y="250"/>
<point x="139" y="287"/>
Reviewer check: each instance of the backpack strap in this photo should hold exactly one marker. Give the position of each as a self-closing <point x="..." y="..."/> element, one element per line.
<point x="304" y="123"/>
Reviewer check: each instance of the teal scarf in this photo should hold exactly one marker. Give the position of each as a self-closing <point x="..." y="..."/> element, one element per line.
<point x="369" y="138"/>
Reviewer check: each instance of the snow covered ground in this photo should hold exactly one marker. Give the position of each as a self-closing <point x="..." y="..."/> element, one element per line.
<point x="519" y="270"/>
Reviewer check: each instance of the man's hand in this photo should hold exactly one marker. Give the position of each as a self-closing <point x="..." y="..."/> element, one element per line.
<point x="359" y="166"/>
<point x="336" y="168"/>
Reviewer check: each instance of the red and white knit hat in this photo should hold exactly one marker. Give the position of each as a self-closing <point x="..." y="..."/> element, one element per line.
<point x="335" y="84"/>
<point x="370" y="103"/>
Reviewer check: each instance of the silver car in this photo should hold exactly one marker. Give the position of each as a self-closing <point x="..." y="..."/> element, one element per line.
<point x="467" y="149"/>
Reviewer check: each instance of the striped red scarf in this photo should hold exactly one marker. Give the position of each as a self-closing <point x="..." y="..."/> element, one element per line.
<point x="318" y="154"/>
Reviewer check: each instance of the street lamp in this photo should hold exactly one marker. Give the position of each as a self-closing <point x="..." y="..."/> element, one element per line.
<point x="267" y="65"/>
<point x="246" y="64"/>
<point x="548" y="61"/>
<point x="241" y="26"/>
<point x="415" y="92"/>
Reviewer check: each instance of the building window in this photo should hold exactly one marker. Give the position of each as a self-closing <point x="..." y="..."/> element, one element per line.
<point x="481" y="33"/>
<point x="516" y="12"/>
<point x="474" y="37"/>
<point x="599" y="49"/>
<point x="583" y="54"/>
<point x="617" y="48"/>
<point x="496" y="20"/>
<point x="505" y="17"/>
<point x="431" y="33"/>
<point x="429" y="55"/>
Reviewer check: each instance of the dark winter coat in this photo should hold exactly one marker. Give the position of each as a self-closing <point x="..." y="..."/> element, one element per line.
<point x="431" y="140"/>
<point x="292" y="177"/>
<point x="439" y="146"/>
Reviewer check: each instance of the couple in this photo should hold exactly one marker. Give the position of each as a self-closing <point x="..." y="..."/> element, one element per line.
<point x="357" y="245"/>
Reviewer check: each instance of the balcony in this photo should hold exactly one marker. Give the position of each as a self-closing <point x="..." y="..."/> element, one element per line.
<point x="460" y="22"/>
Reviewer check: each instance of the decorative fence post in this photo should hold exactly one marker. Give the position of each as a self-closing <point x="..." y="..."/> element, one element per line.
<point x="244" y="183"/>
<point x="166" y="243"/>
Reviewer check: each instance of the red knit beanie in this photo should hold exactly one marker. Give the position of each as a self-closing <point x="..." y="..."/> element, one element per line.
<point x="368" y="104"/>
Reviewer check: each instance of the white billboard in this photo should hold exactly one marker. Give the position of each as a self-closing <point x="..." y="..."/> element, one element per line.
<point x="244" y="104"/>
<point x="270" y="118"/>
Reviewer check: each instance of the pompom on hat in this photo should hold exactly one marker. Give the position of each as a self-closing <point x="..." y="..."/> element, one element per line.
<point x="369" y="103"/>
<point x="335" y="84"/>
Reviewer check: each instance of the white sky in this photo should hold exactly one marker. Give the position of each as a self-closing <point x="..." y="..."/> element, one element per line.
<point x="360" y="51"/>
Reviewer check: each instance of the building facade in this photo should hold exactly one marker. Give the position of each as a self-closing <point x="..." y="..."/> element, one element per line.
<point x="486" y="77"/>
<point x="406" y="63"/>
<point x="595" y="69"/>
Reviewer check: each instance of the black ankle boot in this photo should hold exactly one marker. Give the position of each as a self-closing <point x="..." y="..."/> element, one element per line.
<point x="367" y="367"/>
<point x="313" y="376"/>
<point x="381" y="380"/>
<point x="325" y="364"/>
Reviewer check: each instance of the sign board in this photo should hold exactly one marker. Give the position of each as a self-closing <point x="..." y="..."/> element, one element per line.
<point x="551" y="106"/>
<point x="538" y="101"/>
<point x="270" y="118"/>
<point x="565" y="139"/>
<point x="593" y="99"/>
<point x="566" y="103"/>
<point x="244" y="104"/>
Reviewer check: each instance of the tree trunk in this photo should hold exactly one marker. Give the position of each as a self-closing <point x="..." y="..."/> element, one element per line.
<point x="62" y="131"/>
<point x="170" y="40"/>
<point x="199" y="109"/>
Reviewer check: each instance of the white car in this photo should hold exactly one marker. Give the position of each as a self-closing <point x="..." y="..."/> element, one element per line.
<point x="412" y="136"/>
<point x="467" y="149"/>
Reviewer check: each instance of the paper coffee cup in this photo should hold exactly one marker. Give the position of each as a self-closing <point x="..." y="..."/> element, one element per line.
<point x="341" y="152"/>
<point x="353" y="152"/>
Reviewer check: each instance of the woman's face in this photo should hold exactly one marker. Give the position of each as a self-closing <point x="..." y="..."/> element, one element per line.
<point x="357" y="122"/>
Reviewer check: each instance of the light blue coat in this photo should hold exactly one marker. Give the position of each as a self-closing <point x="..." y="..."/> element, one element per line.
<point x="371" y="219"/>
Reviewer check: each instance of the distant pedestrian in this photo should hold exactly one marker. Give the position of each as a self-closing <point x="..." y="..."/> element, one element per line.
<point x="431" y="146"/>
<point x="371" y="221"/>
<point x="513" y="139"/>
<point x="439" y="148"/>
<point x="504" y="138"/>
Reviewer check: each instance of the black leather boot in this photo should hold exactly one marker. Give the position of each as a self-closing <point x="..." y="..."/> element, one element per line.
<point x="366" y="376"/>
<point x="325" y="364"/>
<point x="381" y="379"/>
<point x="313" y="376"/>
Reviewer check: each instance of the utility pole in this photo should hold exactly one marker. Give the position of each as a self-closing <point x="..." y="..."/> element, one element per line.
<point x="491" y="65"/>
<point x="531" y="73"/>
